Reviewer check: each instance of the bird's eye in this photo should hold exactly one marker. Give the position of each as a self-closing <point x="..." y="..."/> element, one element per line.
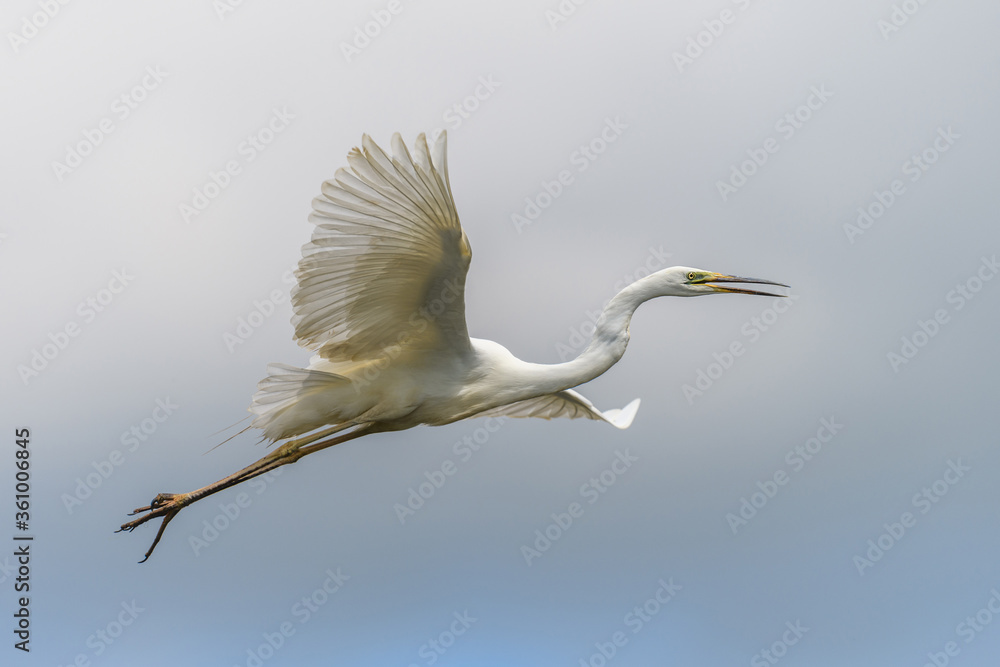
<point x="691" y="276"/>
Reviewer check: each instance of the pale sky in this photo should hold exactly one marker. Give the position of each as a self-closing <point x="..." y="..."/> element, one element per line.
<point x="810" y="481"/>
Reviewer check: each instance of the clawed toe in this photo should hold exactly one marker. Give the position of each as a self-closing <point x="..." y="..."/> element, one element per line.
<point x="159" y="506"/>
<point x="165" y="505"/>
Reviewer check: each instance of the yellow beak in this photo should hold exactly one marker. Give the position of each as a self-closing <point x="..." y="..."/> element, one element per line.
<point x="722" y="278"/>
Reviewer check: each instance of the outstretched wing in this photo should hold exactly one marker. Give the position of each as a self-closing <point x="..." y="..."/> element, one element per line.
<point x="566" y="403"/>
<point x="387" y="262"/>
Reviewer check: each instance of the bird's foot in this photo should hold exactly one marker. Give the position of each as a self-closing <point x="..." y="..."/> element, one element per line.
<point x="165" y="505"/>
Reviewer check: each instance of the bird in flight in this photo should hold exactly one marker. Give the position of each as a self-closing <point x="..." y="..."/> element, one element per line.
<point x="381" y="300"/>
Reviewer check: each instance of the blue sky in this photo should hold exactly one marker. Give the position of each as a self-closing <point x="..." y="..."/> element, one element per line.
<point x="810" y="481"/>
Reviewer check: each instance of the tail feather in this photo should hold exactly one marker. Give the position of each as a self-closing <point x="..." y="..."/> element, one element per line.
<point x="291" y="401"/>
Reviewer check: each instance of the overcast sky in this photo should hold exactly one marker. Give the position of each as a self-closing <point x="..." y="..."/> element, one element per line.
<point x="814" y="477"/>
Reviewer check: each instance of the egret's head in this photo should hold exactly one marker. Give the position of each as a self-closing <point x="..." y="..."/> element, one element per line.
<point x="685" y="281"/>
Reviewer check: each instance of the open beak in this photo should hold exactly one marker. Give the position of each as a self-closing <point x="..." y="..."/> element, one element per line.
<point x="722" y="278"/>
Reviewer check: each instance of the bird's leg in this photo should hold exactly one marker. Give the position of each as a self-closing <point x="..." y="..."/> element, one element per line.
<point x="168" y="505"/>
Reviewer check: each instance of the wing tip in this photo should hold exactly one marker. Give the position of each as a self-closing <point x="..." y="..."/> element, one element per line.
<point x="622" y="419"/>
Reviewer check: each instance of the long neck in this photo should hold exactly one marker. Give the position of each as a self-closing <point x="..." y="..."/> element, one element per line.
<point x="605" y="349"/>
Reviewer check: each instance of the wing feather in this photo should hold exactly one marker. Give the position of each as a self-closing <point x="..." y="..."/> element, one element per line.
<point x="387" y="252"/>
<point x="568" y="404"/>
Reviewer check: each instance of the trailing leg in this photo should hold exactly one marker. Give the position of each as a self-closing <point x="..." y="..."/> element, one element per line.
<point x="168" y="505"/>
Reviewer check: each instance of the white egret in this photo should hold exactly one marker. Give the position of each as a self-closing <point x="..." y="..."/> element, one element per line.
<point x="381" y="299"/>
